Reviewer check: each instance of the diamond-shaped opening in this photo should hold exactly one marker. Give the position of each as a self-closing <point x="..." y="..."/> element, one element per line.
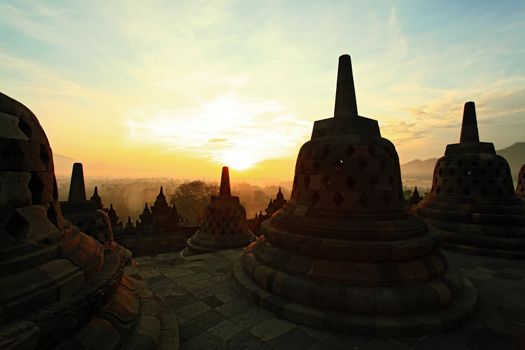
<point x="316" y="165"/>
<point x="306" y="181"/>
<point x="26" y="129"/>
<point x="44" y="155"/>
<point x="387" y="197"/>
<point x="338" y="199"/>
<point x="314" y="198"/>
<point x="338" y="165"/>
<point x="36" y="187"/>
<point x="350" y="181"/>
<point x="12" y="152"/>
<point x="374" y="181"/>
<point x="325" y="180"/>
<point x="350" y="150"/>
<point x="17" y="227"/>
<point x="326" y="151"/>
<point x="363" y="199"/>
<point x="362" y="164"/>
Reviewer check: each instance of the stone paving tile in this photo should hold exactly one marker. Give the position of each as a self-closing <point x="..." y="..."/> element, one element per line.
<point x="192" y="311"/>
<point x="295" y="339"/>
<point x="175" y="273"/>
<point x="212" y="301"/>
<point x="251" y="317"/>
<point x="271" y="328"/>
<point x="234" y="307"/>
<point x="205" y="340"/>
<point x="210" y="318"/>
<point x="213" y="314"/>
<point x="484" y="339"/>
<point x="177" y="302"/>
<point x="225" y="330"/>
<point x="479" y="273"/>
<point x="442" y="341"/>
<point x="246" y="341"/>
<point x="340" y="342"/>
<point x="382" y="344"/>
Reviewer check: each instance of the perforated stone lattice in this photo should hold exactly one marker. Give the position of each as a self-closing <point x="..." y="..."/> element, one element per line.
<point x="347" y="177"/>
<point x="472" y="176"/>
<point x="224" y="221"/>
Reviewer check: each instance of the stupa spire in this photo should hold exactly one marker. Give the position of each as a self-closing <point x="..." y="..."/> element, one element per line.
<point x="225" y="182"/>
<point x="469" y="126"/>
<point x="345" y="100"/>
<point x="77" y="189"/>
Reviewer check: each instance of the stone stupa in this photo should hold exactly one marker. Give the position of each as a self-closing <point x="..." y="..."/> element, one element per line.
<point x="343" y="254"/>
<point x="61" y="288"/>
<point x="87" y="214"/>
<point x="472" y="203"/>
<point x="224" y="225"/>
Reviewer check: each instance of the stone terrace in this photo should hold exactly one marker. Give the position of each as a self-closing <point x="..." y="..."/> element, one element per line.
<point x="212" y="314"/>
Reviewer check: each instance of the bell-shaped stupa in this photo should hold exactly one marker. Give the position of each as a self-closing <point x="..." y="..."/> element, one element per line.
<point x="472" y="202"/>
<point x="60" y="288"/>
<point x="224" y="225"/>
<point x="343" y="253"/>
<point x="520" y="187"/>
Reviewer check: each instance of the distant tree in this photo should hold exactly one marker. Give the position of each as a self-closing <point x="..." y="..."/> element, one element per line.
<point x="191" y="198"/>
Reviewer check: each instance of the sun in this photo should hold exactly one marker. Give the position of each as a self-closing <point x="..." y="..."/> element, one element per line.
<point x="237" y="159"/>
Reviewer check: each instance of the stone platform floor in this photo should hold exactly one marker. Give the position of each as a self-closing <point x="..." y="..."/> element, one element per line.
<point x="212" y="314"/>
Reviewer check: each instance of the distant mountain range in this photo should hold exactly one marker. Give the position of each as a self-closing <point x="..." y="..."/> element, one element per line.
<point x="424" y="169"/>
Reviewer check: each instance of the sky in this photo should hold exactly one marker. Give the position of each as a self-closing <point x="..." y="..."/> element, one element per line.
<point x="180" y="88"/>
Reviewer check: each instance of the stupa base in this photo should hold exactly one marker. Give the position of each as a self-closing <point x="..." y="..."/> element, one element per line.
<point x="194" y="247"/>
<point x="476" y="244"/>
<point x="450" y="316"/>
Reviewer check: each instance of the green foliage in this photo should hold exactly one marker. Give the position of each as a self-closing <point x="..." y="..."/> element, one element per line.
<point x="191" y="197"/>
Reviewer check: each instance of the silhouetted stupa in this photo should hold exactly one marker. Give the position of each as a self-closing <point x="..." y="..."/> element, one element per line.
<point x="343" y="254"/>
<point x="472" y="202"/>
<point x="224" y="225"/>
<point x="60" y="288"/>
<point x="86" y="214"/>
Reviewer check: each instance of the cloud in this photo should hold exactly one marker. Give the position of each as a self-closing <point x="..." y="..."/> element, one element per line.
<point x="223" y="129"/>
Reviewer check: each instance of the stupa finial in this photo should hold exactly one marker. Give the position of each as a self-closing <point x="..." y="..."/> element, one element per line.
<point x="225" y="182"/>
<point x="77" y="189"/>
<point x="345" y="100"/>
<point x="469" y="127"/>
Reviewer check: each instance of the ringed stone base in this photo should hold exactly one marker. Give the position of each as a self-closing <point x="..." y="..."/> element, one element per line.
<point x="489" y="244"/>
<point x="451" y="316"/>
<point x="201" y="246"/>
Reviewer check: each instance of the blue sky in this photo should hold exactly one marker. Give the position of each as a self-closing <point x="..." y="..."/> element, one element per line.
<point x="129" y="84"/>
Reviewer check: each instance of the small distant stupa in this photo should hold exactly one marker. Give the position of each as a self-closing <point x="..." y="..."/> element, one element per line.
<point x="343" y="254"/>
<point x="472" y="202"/>
<point x="224" y="225"/>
